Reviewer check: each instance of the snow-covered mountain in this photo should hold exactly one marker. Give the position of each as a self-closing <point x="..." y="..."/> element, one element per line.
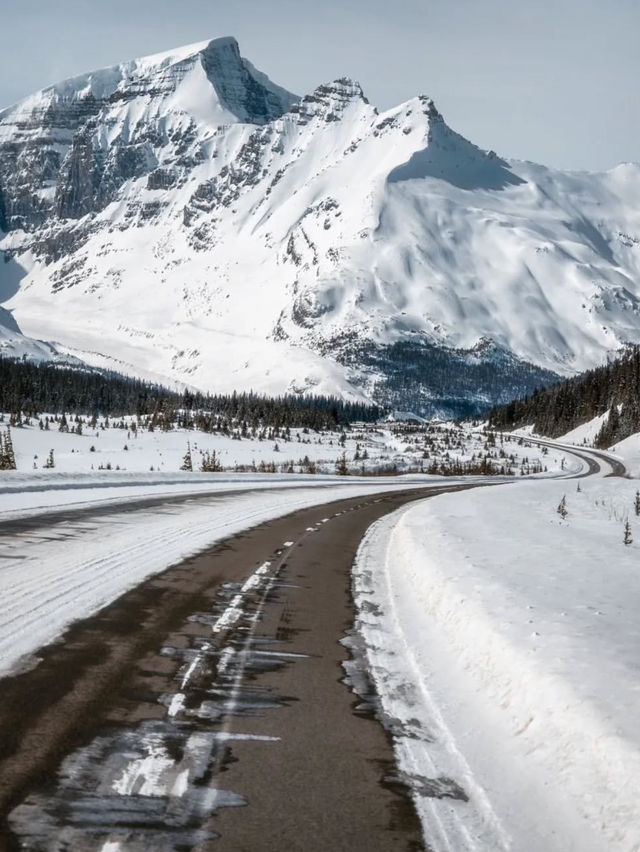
<point x="181" y="216"/>
<point x="15" y="345"/>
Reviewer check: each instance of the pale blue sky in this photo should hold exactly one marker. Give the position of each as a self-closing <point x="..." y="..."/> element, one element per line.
<point x="555" y="81"/>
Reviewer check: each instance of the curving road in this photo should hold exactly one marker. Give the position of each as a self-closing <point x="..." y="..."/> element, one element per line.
<point x="206" y="708"/>
<point x="598" y="463"/>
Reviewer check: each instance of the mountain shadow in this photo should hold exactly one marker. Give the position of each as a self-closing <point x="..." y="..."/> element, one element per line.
<point x="466" y="171"/>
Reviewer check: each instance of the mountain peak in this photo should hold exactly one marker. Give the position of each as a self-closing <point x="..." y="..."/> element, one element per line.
<point x="330" y="100"/>
<point x="69" y="148"/>
<point x="224" y="41"/>
<point x="249" y="94"/>
<point x="429" y="108"/>
<point x="244" y="90"/>
<point x="180" y="54"/>
<point x="182" y="215"/>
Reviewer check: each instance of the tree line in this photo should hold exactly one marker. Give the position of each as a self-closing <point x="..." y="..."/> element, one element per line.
<point x="553" y="411"/>
<point x="447" y="383"/>
<point x="29" y="389"/>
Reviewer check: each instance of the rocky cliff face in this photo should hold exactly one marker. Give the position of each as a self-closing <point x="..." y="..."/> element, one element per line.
<point x="181" y="216"/>
<point x="68" y="150"/>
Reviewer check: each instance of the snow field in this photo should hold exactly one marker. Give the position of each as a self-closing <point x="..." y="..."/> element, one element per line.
<point x="164" y="451"/>
<point x="520" y="629"/>
<point x="629" y="452"/>
<point x="399" y="445"/>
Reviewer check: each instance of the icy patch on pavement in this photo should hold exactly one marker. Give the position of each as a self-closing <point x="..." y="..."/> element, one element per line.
<point x="146" y="775"/>
<point x="177" y="704"/>
<point x="256" y="578"/>
<point x="156" y="783"/>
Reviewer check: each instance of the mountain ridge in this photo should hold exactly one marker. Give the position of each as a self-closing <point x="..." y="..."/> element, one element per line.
<point x="307" y="244"/>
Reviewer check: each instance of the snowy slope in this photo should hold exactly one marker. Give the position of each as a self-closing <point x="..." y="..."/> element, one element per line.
<point x="185" y="216"/>
<point x="14" y="344"/>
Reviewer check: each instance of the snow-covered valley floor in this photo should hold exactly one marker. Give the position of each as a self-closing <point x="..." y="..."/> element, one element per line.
<point x="501" y="635"/>
<point x="504" y="642"/>
<point x="128" y="445"/>
<point x="95" y="538"/>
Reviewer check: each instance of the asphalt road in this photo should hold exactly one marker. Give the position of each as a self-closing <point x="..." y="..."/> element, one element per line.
<point x="596" y="461"/>
<point x="206" y="710"/>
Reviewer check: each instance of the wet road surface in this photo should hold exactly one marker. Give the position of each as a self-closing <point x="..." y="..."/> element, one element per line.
<point x="206" y="710"/>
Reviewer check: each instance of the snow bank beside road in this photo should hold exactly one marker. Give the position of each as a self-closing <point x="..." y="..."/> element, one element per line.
<point x="28" y="494"/>
<point x="505" y="646"/>
<point x="61" y="572"/>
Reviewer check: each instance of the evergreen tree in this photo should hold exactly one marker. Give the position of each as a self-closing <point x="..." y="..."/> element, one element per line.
<point x="612" y="390"/>
<point x="31" y="388"/>
<point x="7" y="455"/>
<point x="210" y="462"/>
<point x="187" y="461"/>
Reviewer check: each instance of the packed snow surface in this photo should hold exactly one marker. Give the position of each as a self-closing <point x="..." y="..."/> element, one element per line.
<point x="504" y="642"/>
<point x="59" y="572"/>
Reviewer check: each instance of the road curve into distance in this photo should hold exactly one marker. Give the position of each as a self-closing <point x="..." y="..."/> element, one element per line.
<point x="598" y="463"/>
<point x="206" y="708"/>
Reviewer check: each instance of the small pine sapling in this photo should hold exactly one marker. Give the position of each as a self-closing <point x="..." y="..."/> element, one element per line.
<point x="342" y="468"/>
<point x="562" y="508"/>
<point x="628" y="538"/>
<point x="187" y="461"/>
<point x="210" y="463"/>
<point x="636" y="503"/>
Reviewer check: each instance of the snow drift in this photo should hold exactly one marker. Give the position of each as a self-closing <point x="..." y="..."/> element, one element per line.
<point x="503" y="642"/>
